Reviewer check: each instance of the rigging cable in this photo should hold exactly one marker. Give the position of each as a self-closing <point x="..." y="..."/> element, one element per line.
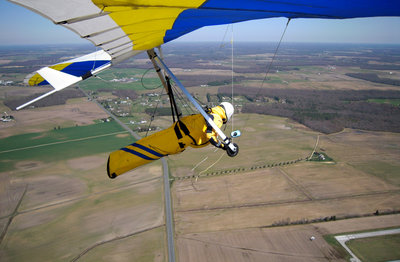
<point x="232" y="82"/>
<point x="223" y="38"/>
<point x="94" y="60"/>
<point x="183" y="101"/>
<point x="154" y="112"/>
<point x="210" y="166"/>
<point x="273" y="57"/>
<point x="259" y="90"/>
<point x="232" y="77"/>
<point x="269" y="66"/>
<point x="141" y="80"/>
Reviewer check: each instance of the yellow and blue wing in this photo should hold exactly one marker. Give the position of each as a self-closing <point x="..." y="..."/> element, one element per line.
<point x="124" y="27"/>
<point x="68" y="73"/>
<point x="78" y="67"/>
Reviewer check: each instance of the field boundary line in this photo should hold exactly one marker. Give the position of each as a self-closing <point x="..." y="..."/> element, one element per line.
<point x="62" y="142"/>
<point x="295" y="184"/>
<point x="13" y="215"/>
<point x="290" y="201"/>
<point x="276" y="253"/>
<point x="84" y="252"/>
<point x="62" y="202"/>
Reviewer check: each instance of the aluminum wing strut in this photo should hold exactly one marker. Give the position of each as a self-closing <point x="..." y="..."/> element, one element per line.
<point x="159" y="63"/>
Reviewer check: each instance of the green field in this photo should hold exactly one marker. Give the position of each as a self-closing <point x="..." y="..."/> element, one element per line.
<point x="394" y="102"/>
<point x="320" y="157"/>
<point x="61" y="144"/>
<point x="71" y="208"/>
<point x="372" y="249"/>
<point x="381" y="169"/>
<point x="150" y="80"/>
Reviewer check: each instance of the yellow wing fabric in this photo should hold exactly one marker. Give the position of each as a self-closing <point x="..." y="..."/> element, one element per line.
<point x="146" y="22"/>
<point x="124" y="28"/>
<point x="37" y="79"/>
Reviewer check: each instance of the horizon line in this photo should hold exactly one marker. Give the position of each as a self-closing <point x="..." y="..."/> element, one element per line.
<point x="199" y="42"/>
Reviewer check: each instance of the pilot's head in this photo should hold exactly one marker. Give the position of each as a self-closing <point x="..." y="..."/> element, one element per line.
<point x="228" y="108"/>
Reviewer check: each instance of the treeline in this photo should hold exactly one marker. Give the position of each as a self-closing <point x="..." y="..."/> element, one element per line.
<point x="325" y="111"/>
<point x="211" y="80"/>
<point x="288" y="221"/>
<point x="125" y="93"/>
<point x="380" y="67"/>
<point x="375" y="78"/>
<point x="121" y="93"/>
<point x="226" y="81"/>
<point x="58" y="98"/>
<point x="161" y="111"/>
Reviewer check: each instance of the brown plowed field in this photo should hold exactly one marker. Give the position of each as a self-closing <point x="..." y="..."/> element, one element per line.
<point x="228" y="216"/>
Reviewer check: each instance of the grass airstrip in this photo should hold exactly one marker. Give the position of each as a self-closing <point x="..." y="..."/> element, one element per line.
<point x="382" y="248"/>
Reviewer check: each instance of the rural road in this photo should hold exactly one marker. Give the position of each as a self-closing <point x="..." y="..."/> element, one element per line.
<point x="111" y="115"/>
<point x="344" y="238"/>
<point x="167" y="191"/>
<point x="168" y="212"/>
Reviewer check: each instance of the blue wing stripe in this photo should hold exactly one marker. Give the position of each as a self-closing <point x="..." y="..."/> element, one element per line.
<point x="81" y="68"/>
<point x="147" y="149"/>
<point x="137" y="154"/>
<point x="217" y="12"/>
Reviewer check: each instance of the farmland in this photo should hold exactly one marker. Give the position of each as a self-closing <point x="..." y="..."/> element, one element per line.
<point x="58" y="204"/>
<point x="381" y="248"/>
<point x="97" y="138"/>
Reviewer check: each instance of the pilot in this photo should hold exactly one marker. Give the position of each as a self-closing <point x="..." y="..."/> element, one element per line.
<point x="190" y="130"/>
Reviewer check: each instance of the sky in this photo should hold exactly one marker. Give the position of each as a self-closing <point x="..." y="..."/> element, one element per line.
<point x="20" y="26"/>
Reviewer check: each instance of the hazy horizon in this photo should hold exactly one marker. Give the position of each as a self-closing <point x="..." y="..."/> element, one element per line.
<point x="25" y="26"/>
<point x="89" y="45"/>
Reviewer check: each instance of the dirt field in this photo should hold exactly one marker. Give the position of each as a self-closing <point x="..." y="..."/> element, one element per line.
<point x="274" y="244"/>
<point x="264" y="140"/>
<point x="225" y="217"/>
<point x="57" y="213"/>
<point x="76" y="112"/>
<point x="70" y="210"/>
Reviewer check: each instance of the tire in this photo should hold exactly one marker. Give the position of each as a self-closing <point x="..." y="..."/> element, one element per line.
<point x="232" y="153"/>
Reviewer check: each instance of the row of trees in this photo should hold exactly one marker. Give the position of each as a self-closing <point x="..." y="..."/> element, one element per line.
<point x="121" y="93"/>
<point x="288" y="221"/>
<point x="324" y="110"/>
<point x="375" y="78"/>
<point x="58" y="98"/>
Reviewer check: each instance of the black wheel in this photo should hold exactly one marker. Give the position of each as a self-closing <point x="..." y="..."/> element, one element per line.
<point x="232" y="153"/>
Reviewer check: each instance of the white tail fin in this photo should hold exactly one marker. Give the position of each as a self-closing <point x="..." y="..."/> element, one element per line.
<point x="98" y="61"/>
<point x="58" y="79"/>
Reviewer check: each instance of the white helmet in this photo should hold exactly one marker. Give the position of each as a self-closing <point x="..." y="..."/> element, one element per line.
<point x="228" y="107"/>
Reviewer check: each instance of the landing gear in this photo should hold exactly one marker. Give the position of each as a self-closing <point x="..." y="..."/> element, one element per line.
<point x="232" y="153"/>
